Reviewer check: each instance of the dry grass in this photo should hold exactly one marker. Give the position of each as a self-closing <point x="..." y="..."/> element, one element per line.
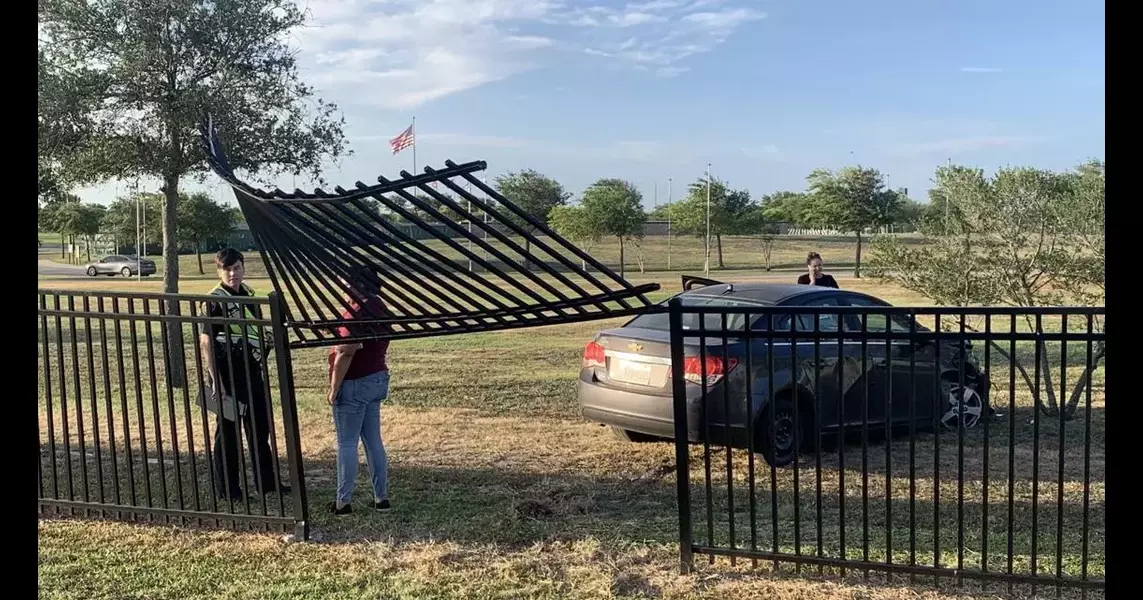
<point x="501" y="490"/>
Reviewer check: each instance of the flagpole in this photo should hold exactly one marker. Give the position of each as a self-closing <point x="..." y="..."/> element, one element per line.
<point x="413" y="128"/>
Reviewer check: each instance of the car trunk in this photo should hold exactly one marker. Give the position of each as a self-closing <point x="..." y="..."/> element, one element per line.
<point x="636" y="359"/>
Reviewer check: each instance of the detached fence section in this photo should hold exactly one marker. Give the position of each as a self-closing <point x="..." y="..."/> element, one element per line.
<point x="125" y="434"/>
<point x="938" y="442"/>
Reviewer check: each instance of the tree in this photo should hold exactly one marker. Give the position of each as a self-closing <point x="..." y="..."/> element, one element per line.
<point x="201" y="219"/>
<point x="576" y="223"/>
<point x="908" y="214"/>
<point x="125" y="215"/>
<point x="939" y="217"/>
<point x="795" y="208"/>
<point x="755" y="222"/>
<point x="64" y="119"/>
<point x="51" y="218"/>
<point x="1023" y="237"/>
<point x="156" y="69"/>
<point x="727" y="209"/>
<point x="617" y="207"/>
<point x="81" y="220"/>
<point x="533" y="193"/>
<point x="853" y="199"/>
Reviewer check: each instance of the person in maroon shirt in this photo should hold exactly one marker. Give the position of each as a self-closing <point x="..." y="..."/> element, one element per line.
<point x="358" y="384"/>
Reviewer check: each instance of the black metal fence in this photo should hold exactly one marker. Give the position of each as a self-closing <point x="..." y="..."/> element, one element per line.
<point x="121" y="437"/>
<point x="945" y="442"/>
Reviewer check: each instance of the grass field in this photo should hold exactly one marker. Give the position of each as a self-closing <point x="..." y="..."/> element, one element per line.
<point x="788" y="252"/>
<point x="501" y="490"/>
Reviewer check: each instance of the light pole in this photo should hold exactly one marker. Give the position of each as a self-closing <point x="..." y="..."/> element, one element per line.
<point x="706" y="263"/>
<point x="668" y="223"/>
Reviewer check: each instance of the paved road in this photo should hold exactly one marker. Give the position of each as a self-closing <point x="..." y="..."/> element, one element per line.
<point x="56" y="270"/>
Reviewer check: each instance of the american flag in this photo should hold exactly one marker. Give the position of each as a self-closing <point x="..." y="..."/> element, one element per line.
<point x="403" y="140"/>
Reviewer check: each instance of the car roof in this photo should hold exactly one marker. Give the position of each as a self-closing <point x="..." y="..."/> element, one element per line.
<point x="772" y="293"/>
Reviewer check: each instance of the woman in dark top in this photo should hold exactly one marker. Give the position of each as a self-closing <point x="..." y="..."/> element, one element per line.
<point x="814" y="275"/>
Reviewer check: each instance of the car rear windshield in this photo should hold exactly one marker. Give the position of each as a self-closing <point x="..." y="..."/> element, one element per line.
<point x="662" y="321"/>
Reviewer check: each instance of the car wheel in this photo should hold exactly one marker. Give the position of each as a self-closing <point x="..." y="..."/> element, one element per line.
<point x="781" y="443"/>
<point x="91" y="272"/>
<point x="625" y="435"/>
<point x="965" y="405"/>
<point x="126" y="272"/>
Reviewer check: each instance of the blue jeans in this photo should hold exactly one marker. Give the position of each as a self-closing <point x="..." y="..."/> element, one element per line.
<point x="357" y="416"/>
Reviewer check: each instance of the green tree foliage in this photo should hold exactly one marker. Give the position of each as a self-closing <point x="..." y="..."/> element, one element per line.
<point x="155" y="69"/>
<point x="617" y="206"/>
<point x="576" y="224"/>
<point x="78" y="220"/>
<point x="129" y="216"/>
<point x="1023" y="237"/>
<point x="853" y="199"/>
<point x="204" y="221"/>
<point x="795" y="208"/>
<point x="728" y="208"/>
<point x="533" y="193"/>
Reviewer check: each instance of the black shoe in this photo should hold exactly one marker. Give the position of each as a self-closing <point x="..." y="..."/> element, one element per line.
<point x="281" y="489"/>
<point x="345" y="510"/>
<point x="382" y="506"/>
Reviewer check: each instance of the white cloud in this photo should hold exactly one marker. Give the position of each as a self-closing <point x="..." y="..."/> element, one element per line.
<point x="980" y="70"/>
<point x="398" y="54"/>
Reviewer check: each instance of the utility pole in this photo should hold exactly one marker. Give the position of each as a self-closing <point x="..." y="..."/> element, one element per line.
<point x="668" y="223"/>
<point x="706" y="263"/>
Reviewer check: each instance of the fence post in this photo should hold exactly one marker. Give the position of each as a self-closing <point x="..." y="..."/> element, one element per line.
<point x="290" y="416"/>
<point x="682" y="441"/>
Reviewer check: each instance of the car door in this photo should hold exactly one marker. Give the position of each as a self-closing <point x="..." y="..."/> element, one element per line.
<point x="820" y="364"/>
<point x="909" y="369"/>
<point x="874" y="396"/>
<point x="105" y="265"/>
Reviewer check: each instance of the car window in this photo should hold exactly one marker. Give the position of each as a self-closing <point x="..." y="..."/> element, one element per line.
<point x="109" y="259"/>
<point x="662" y="321"/>
<point x="805" y="321"/>
<point x="826" y="322"/>
<point x="877" y="323"/>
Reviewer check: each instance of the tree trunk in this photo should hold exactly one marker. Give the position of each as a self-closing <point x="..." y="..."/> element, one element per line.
<point x="622" y="262"/>
<point x="718" y="240"/>
<point x="89" y="242"/>
<point x="198" y="253"/>
<point x="857" y="262"/>
<point x="63" y="246"/>
<point x="528" y="251"/>
<point x="176" y="364"/>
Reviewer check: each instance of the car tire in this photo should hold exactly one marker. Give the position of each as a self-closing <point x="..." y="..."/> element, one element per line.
<point x="975" y="401"/>
<point x="780" y="445"/>
<point x="625" y="435"/>
<point x="91" y="272"/>
<point x="126" y="272"/>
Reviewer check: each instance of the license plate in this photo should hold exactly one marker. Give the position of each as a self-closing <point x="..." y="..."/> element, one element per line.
<point x="631" y="372"/>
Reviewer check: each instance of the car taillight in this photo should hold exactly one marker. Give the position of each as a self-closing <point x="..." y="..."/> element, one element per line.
<point x="715" y="369"/>
<point x="593" y="356"/>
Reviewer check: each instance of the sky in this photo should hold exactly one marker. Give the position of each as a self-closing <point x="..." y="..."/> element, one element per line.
<point x="650" y="91"/>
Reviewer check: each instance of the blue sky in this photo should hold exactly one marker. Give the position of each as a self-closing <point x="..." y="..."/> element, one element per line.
<point x="765" y="90"/>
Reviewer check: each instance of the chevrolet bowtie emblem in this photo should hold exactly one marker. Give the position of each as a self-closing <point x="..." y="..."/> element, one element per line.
<point x="635" y="347"/>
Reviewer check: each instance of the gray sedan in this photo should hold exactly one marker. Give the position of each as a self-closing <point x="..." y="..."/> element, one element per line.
<point x="125" y="265"/>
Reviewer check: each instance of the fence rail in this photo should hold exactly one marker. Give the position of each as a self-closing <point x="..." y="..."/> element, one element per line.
<point x="124" y="426"/>
<point x="945" y="442"/>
